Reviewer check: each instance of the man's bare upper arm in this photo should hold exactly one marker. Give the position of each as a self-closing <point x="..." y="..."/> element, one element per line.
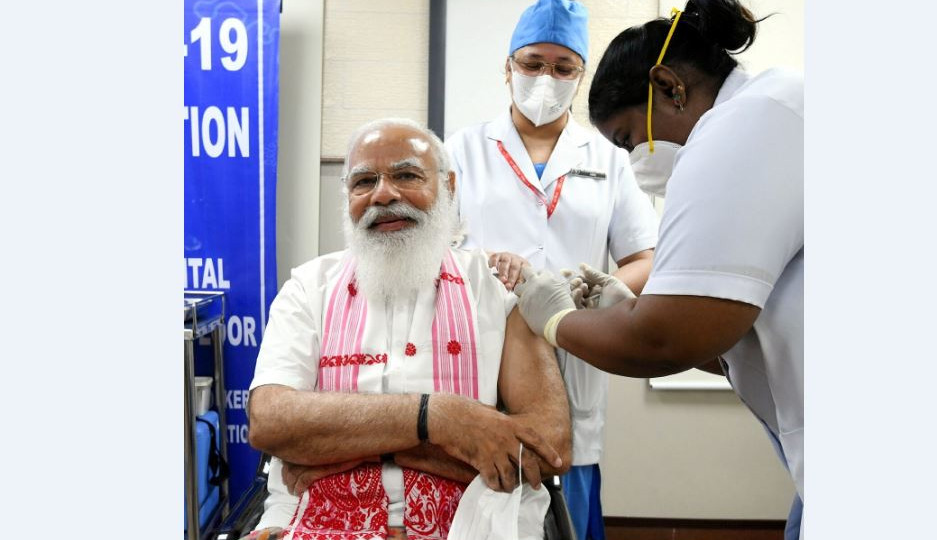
<point x="529" y="375"/>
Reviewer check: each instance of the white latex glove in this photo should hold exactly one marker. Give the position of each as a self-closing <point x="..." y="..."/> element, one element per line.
<point x="577" y="287"/>
<point x="542" y="297"/>
<point x="604" y="290"/>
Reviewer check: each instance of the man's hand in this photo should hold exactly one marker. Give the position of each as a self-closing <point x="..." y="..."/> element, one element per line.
<point x="487" y="440"/>
<point x="431" y="458"/>
<point x="509" y="267"/>
<point x="604" y="290"/>
<point x="541" y="297"/>
<point x="298" y="478"/>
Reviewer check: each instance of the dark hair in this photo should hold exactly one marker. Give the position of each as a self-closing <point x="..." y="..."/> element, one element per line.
<point x="708" y="32"/>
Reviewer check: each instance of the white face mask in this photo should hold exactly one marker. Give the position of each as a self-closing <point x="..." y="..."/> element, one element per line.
<point x="542" y="99"/>
<point x="493" y="515"/>
<point x="652" y="171"/>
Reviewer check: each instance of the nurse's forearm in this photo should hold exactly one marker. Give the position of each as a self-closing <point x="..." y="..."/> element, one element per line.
<point x="634" y="270"/>
<point x="610" y="340"/>
<point x="655" y="335"/>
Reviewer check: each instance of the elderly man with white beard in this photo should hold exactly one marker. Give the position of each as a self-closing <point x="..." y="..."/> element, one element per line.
<point x="390" y="374"/>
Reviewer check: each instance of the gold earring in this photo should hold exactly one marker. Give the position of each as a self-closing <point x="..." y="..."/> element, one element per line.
<point x="678" y="98"/>
<point x="678" y="101"/>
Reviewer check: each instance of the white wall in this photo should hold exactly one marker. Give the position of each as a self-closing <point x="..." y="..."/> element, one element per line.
<point x="301" y="32"/>
<point x="478" y="35"/>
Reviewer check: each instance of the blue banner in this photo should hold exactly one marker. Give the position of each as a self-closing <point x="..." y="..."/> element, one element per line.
<point x="231" y="104"/>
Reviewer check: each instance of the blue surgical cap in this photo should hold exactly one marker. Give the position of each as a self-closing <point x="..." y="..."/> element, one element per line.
<point x="554" y="21"/>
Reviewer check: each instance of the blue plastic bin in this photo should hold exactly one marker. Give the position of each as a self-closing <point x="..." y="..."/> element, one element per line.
<point x="208" y="495"/>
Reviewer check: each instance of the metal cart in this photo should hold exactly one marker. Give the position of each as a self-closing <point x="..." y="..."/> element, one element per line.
<point x="204" y="314"/>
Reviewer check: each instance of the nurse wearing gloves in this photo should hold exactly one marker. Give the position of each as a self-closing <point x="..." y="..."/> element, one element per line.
<point x="532" y="182"/>
<point x="727" y="148"/>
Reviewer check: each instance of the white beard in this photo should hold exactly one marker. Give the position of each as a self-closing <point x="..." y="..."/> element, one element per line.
<point x="399" y="263"/>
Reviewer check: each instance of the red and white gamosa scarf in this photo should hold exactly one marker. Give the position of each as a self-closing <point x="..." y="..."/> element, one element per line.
<point x="440" y="357"/>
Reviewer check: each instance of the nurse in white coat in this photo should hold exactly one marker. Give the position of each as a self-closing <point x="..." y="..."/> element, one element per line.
<point x="533" y="183"/>
<point x="728" y="276"/>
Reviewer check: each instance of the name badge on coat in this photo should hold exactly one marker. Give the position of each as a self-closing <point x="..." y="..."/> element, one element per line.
<point x="588" y="173"/>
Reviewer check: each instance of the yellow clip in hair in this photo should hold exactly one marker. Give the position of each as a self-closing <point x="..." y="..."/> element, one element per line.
<point x="675" y="15"/>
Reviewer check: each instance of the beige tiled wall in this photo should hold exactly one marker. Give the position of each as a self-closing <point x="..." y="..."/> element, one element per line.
<point x="607" y="18"/>
<point x="375" y="65"/>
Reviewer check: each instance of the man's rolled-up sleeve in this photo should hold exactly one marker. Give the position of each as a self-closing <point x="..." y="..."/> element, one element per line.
<point x="289" y="351"/>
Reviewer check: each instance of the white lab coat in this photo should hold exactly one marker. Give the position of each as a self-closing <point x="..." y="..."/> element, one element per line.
<point x="593" y="219"/>
<point x="733" y="228"/>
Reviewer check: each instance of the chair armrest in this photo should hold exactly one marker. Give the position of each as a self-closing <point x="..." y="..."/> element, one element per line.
<point x="558" y="524"/>
<point x="245" y="514"/>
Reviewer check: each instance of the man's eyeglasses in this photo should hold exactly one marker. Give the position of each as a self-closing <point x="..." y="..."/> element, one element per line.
<point x="533" y="68"/>
<point x="364" y="182"/>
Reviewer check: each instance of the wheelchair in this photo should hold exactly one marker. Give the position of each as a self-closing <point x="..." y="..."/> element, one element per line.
<point x="246" y="513"/>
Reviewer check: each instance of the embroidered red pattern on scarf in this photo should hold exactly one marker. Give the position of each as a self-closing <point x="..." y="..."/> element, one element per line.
<point x="347" y="506"/>
<point x="431" y="504"/>
<point x="449" y="277"/>
<point x="352" y="359"/>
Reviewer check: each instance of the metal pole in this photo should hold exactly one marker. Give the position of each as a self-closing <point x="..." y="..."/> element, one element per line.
<point x="191" y="460"/>
<point x="436" y="104"/>
<point x="221" y="401"/>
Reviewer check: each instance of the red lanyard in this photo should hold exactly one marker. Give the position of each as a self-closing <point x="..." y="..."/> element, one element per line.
<point x="520" y="175"/>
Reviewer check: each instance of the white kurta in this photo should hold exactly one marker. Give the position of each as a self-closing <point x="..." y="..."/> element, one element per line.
<point x="290" y="350"/>
<point x="593" y="219"/>
<point x="733" y="227"/>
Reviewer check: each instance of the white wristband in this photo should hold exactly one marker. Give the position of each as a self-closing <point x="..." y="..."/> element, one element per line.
<point x="549" y="330"/>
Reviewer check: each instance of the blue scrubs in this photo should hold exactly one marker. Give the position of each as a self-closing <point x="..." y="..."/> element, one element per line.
<point x="792" y="529"/>
<point x="581" y="487"/>
<point x="539" y="168"/>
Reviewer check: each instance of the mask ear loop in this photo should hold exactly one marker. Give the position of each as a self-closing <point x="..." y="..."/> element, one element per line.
<point x="520" y="464"/>
<point x="675" y="14"/>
